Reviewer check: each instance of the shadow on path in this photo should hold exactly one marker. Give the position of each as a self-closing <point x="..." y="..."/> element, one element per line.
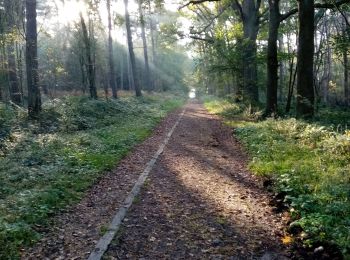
<point x="200" y="202"/>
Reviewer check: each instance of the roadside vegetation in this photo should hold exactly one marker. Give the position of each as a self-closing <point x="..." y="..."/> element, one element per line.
<point x="308" y="164"/>
<point x="47" y="164"/>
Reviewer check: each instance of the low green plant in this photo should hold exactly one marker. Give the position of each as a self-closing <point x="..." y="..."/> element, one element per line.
<point x="48" y="164"/>
<point x="310" y="163"/>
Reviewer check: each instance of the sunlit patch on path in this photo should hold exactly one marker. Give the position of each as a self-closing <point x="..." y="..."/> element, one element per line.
<point x="200" y="201"/>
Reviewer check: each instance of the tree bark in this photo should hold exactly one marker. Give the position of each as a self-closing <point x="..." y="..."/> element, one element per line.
<point x="153" y="45"/>
<point x="305" y="86"/>
<point x="281" y="70"/>
<point x="250" y="18"/>
<point x="346" y="77"/>
<point x="90" y="67"/>
<point x="145" y="51"/>
<point x="34" y="96"/>
<point x="112" y="77"/>
<point x="272" y="60"/>
<point x="15" y="92"/>
<point x="135" y="80"/>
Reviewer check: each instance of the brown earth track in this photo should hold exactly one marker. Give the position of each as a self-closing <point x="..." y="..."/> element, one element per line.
<point x="200" y="201"/>
<point x="74" y="232"/>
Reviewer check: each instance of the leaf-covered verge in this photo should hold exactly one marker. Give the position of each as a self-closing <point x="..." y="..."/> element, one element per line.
<point x="48" y="164"/>
<point x="309" y="162"/>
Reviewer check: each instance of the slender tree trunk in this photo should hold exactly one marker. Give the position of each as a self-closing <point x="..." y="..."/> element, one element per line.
<point x="89" y="59"/>
<point x="112" y="77"/>
<point x="292" y="77"/>
<point x="121" y="71"/>
<point x="19" y="55"/>
<point x="131" y="51"/>
<point x="272" y="60"/>
<point x="82" y="71"/>
<point x="15" y="92"/>
<point x="281" y="70"/>
<point x="153" y="45"/>
<point x="305" y="86"/>
<point x="34" y="97"/>
<point x="346" y="77"/>
<point x="145" y="51"/>
<point x="327" y="67"/>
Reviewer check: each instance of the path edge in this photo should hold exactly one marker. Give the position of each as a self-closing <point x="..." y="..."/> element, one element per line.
<point x="103" y="243"/>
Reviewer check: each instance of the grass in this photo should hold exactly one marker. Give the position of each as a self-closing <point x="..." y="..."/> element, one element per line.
<point x="48" y="164"/>
<point x="309" y="163"/>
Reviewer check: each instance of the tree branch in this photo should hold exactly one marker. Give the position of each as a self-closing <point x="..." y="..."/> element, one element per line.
<point x="211" y="21"/>
<point x="196" y="2"/>
<point x="237" y="6"/>
<point x="209" y="40"/>
<point x="317" y="5"/>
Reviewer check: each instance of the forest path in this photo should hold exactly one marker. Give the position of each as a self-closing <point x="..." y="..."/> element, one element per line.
<point x="199" y="202"/>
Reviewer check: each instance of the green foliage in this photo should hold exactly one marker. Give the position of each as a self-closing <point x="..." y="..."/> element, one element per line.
<point x="48" y="165"/>
<point x="309" y="163"/>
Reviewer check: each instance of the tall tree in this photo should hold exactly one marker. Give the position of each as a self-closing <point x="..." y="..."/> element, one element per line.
<point x="145" y="50"/>
<point x="34" y="96"/>
<point x="90" y="66"/>
<point x="135" y="80"/>
<point x="250" y="17"/>
<point x="272" y="61"/>
<point x="112" y="77"/>
<point x="305" y="84"/>
<point x="275" y="19"/>
<point x="11" y="14"/>
<point x="153" y="30"/>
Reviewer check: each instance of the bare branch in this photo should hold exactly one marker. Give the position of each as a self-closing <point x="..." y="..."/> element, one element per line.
<point x="211" y="21"/>
<point x="317" y="5"/>
<point x="209" y="40"/>
<point x="196" y="2"/>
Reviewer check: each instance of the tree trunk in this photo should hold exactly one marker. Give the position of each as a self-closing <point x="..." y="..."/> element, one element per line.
<point x="15" y="92"/>
<point x="145" y="51"/>
<point x="90" y="68"/>
<point x="112" y="77"/>
<point x="292" y="77"/>
<point x="19" y="56"/>
<point x="135" y="82"/>
<point x="305" y="86"/>
<point x="346" y="77"/>
<point x="250" y="19"/>
<point x="281" y="70"/>
<point x="34" y="97"/>
<point x="153" y="43"/>
<point x="272" y="60"/>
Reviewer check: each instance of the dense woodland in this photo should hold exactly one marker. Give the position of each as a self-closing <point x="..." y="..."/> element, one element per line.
<point x="43" y="57"/>
<point x="77" y="94"/>
<point x="286" y="52"/>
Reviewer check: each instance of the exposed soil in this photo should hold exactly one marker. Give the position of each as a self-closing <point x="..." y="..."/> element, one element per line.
<point x="74" y="232"/>
<point x="201" y="202"/>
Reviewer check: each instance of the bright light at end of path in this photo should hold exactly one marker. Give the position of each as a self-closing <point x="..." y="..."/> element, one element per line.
<point x="192" y="93"/>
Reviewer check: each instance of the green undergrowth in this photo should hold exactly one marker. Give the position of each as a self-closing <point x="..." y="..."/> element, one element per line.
<point x="308" y="162"/>
<point x="48" y="164"/>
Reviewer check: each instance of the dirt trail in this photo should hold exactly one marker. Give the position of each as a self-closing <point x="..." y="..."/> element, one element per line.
<point x="74" y="232"/>
<point x="200" y="201"/>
